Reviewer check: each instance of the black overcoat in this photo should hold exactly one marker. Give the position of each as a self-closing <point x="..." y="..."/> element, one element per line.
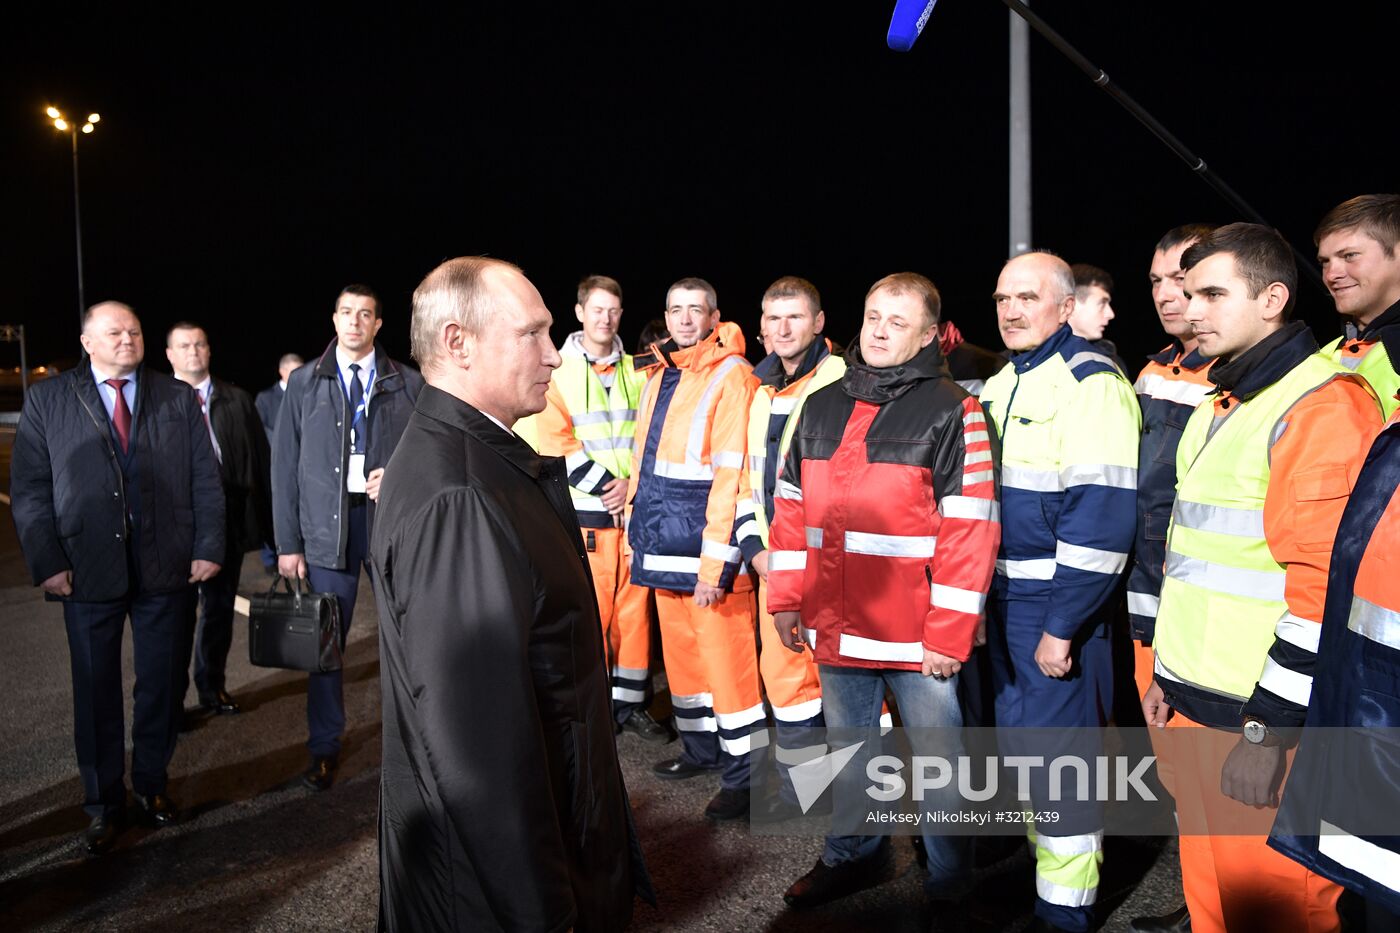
<point x="243" y="468"/>
<point x="502" y="805"/>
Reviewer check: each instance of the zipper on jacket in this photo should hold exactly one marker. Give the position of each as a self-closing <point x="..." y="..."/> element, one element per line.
<point x="111" y="452"/>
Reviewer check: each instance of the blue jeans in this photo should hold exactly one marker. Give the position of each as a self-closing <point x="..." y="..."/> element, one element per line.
<point x="851" y="698"/>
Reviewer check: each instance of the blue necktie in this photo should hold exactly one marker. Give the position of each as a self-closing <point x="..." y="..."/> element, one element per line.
<point x="357" y="410"/>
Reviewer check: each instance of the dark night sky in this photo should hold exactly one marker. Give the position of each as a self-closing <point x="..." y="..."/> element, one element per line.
<point x="250" y="162"/>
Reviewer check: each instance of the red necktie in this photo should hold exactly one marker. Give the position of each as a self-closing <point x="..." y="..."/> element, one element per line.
<point x="121" y="415"/>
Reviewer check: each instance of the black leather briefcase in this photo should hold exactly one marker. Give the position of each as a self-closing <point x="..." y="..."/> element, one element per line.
<point x="297" y="629"/>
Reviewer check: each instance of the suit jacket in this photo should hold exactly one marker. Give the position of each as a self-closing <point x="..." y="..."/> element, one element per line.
<point x="70" y="501"/>
<point x="269" y="403"/>
<point x="244" y="467"/>
<point x="502" y="805"/>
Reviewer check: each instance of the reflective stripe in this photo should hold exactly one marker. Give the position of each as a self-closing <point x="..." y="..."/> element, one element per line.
<point x="1219" y="578"/>
<point x="958" y="600"/>
<point x="811" y="635"/>
<point x="1305" y="633"/>
<point x="868" y="649"/>
<point x="798" y="712"/>
<point x="974" y="417"/>
<point x="1291" y="685"/>
<point x="576" y="460"/>
<point x="693" y="700"/>
<point x="744" y="717"/>
<point x="864" y="542"/>
<point x="975" y="457"/>
<point x="1088" y="356"/>
<point x="1173" y="390"/>
<point x="798" y="756"/>
<point x="668" y="563"/>
<point x="783" y="404"/>
<point x="593" y="477"/>
<point x="696" y="724"/>
<point x="1069" y="845"/>
<point x="1063" y="895"/>
<point x="587" y="503"/>
<point x="631" y="673"/>
<point x="1368" y="620"/>
<point x="787" y="490"/>
<point x="700" y="420"/>
<point x="1142" y="604"/>
<point x="1161" y="670"/>
<point x="1220" y="519"/>
<point x="786" y="560"/>
<point x="971" y="479"/>
<point x="721" y="552"/>
<point x="1091" y="559"/>
<point x="727" y="459"/>
<point x="1351" y="362"/>
<point x="1014" y="477"/>
<point x="756" y="462"/>
<point x="628" y="694"/>
<point x="1099" y="474"/>
<point x="683" y="470"/>
<point x="743" y="744"/>
<point x="814" y="536"/>
<point x="973" y="386"/>
<point x="975" y="437"/>
<point x="604" y="417"/>
<point x="1362" y="856"/>
<point x="969" y="507"/>
<point x="748" y="529"/>
<point x="607" y="443"/>
<point x="1040" y="569"/>
<point x="744" y="510"/>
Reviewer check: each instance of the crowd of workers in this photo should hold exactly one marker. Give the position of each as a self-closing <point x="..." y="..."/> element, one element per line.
<point x="910" y="521"/>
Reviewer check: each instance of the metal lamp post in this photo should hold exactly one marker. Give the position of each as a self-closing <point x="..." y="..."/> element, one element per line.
<point x="61" y="123"/>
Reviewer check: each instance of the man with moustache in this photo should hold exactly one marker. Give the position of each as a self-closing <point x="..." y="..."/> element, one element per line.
<point x="1068" y="423"/>
<point x="116" y="497"/>
<point x="502" y="805"/>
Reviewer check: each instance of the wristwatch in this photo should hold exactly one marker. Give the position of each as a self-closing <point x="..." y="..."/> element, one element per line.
<point x="1257" y="732"/>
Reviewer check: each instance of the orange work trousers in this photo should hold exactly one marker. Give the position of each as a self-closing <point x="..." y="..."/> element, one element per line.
<point x="712" y="669"/>
<point x="625" y="612"/>
<point x="1234" y="882"/>
<point x="790" y="679"/>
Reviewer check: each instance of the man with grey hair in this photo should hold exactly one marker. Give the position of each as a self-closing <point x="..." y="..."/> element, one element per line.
<point x="120" y="512"/>
<point x="269" y="400"/>
<point x="502" y="804"/>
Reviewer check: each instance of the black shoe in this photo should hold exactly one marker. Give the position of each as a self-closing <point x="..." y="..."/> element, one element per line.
<point x="678" y="769"/>
<point x="321" y="774"/>
<point x="729" y="804"/>
<point x="640" y="724"/>
<point x="219" y="702"/>
<point x="157" y="810"/>
<point x="828" y="882"/>
<point x="1178" y="921"/>
<point x="103" y="831"/>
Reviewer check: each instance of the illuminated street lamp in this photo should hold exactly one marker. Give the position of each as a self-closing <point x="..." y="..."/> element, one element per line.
<point x="62" y="125"/>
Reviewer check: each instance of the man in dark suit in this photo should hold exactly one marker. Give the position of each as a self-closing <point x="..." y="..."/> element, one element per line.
<point x="339" y="423"/>
<point x="240" y="445"/>
<point x="116" y="499"/>
<point x="502" y="805"/>
<point x="270" y="399"/>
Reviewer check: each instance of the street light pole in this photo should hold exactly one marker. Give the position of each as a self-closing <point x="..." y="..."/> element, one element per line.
<point x="64" y="126"/>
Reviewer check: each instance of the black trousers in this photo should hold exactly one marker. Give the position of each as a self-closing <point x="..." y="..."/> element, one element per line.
<point x="214" y="633"/>
<point x="160" y="634"/>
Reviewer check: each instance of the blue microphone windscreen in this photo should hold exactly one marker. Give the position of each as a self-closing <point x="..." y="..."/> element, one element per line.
<point x="907" y="22"/>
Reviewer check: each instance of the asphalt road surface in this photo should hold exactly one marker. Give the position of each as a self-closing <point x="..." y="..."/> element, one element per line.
<point x="256" y="851"/>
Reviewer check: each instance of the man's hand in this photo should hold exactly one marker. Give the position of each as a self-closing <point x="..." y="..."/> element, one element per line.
<point x="760" y="564"/>
<point x="615" y="495"/>
<point x="60" y="584"/>
<point x="201" y="570"/>
<point x="1253" y="773"/>
<point x="940" y="665"/>
<point x="372" y="482"/>
<point x="1154" y="706"/>
<point x="706" y="595"/>
<point x="1052" y="656"/>
<point x="979" y="637"/>
<point x="789" y="626"/>
<point x="292" y="566"/>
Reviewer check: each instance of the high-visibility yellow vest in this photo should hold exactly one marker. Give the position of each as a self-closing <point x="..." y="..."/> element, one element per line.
<point x="1373" y="366"/>
<point x="604" y="420"/>
<point x="1223" y="592"/>
<point x="767" y="402"/>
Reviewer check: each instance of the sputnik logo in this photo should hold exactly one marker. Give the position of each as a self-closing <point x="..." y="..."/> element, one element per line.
<point x="811" y="778"/>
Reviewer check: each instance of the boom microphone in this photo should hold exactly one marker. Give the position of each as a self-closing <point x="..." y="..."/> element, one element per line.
<point x="907" y="23"/>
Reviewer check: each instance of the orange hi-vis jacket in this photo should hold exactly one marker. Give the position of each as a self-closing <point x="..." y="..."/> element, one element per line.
<point x="688" y="464"/>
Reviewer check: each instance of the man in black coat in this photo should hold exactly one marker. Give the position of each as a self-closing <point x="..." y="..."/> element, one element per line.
<point x="339" y="423"/>
<point x="270" y="399"/>
<point x="240" y="445"/>
<point x="502" y="805"/>
<point x="116" y="499"/>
